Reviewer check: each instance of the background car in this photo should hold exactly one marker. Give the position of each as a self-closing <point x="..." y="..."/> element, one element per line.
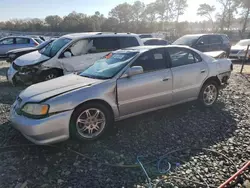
<point x="70" y="53"/>
<point x="154" y="41"/>
<point x="13" y="54"/>
<point x="206" y="42"/>
<point x="15" y="42"/>
<point x="238" y="51"/>
<point x="122" y="84"/>
<point x="145" y="35"/>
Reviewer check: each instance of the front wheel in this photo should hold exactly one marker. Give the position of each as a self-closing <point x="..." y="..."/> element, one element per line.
<point x="50" y="74"/>
<point x="90" y="121"/>
<point x="209" y="93"/>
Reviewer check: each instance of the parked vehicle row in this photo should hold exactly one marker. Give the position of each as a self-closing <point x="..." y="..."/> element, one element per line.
<point x="70" y="53"/>
<point x="10" y="43"/>
<point x="238" y="51"/>
<point x="121" y="84"/>
<point x="206" y="42"/>
<point x="13" y="54"/>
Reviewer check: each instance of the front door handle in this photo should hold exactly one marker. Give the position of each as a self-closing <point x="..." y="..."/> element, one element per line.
<point x="203" y="71"/>
<point x="165" y="79"/>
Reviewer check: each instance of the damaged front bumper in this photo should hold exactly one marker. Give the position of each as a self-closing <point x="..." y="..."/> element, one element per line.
<point x="23" y="74"/>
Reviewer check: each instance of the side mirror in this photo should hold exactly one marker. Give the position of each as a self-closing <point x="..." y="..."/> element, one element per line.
<point x="67" y="54"/>
<point x="134" y="71"/>
<point x="200" y="43"/>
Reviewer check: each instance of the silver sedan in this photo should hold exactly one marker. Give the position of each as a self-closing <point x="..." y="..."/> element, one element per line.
<point x="122" y="84"/>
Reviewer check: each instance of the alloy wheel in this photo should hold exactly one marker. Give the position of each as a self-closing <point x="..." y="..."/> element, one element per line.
<point x="90" y="123"/>
<point x="210" y="94"/>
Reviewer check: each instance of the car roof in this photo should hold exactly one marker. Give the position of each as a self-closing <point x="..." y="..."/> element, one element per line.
<point x="27" y="37"/>
<point x="100" y="34"/>
<point x="245" y="40"/>
<point x="204" y="34"/>
<point x="147" y="48"/>
<point x="146" y="39"/>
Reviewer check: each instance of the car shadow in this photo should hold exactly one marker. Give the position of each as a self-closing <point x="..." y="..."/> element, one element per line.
<point x="151" y="135"/>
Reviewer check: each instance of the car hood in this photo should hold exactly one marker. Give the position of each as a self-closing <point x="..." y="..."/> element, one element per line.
<point x="236" y="47"/>
<point x="44" y="90"/>
<point x="31" y="59"/>
<point x="22" y="50"/>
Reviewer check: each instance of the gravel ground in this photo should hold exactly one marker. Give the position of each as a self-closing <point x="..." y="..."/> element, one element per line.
<point x="223" y="128"/>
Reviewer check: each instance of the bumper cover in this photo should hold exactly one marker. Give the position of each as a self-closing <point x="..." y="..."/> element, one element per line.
<point x="48" y="130"/>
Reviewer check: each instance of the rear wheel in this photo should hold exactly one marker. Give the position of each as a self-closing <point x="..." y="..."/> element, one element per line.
<point x="209" y="93"/>
<point x="90" y="121"/>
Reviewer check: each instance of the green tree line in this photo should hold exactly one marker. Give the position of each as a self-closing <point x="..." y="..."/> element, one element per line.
<point x="161" y="15"/>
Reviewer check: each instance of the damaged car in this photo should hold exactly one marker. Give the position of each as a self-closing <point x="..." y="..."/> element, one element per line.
<point x="69" y="53"/>
<point x="122" y="84"/>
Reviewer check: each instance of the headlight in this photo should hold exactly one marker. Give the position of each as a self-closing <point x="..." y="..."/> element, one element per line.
<point x="36" y="109"/>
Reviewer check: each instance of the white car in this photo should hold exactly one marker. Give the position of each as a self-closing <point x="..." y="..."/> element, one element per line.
<point x="69" y="53"/>
<point x="238" y="51"/>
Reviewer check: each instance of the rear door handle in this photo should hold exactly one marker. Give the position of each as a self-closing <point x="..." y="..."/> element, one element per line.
<point x="165" y="79"/>
<point x="203" y="71"/>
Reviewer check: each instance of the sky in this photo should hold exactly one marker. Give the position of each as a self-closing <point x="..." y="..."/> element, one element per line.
<point x="10" y="9"/>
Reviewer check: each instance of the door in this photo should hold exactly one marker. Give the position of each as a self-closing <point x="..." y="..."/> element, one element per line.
<point x="86" y="52"/>
<point x="215" y="42"/>
<point x="6" y="45"/>
<point x="203" y="44"/>
<point x="148" y="90"/>
<point x="22" y="42"/>
<point x="189" y="72"/>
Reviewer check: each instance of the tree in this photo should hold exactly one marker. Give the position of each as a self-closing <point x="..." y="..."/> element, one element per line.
<point x="138" y="9"/>
<point x="150" y="12"/>
<point x="122" y="13"/>
<point x="207" y="11"/>
<point x="164" y="10"/>
<point x="179" y="8"/>
<point x="245" y="7"/>
<point x="229" y="8"/>
<point x="53" y="21"/>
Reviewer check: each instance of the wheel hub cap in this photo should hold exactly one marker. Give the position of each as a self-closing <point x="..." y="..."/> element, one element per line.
<point x="90" y="123"/>
<point x="210" y="94"/>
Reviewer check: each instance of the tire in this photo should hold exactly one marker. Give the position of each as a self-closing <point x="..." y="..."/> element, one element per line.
<point x="209" y="93"/>
<point x="81" y="125"/>
<point x="50" y="74"/>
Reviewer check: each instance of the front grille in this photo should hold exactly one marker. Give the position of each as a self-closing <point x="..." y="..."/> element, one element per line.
<point x="16" y="67"/>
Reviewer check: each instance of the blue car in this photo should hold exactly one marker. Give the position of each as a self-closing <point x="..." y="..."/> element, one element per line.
<point x="15" y="42"/>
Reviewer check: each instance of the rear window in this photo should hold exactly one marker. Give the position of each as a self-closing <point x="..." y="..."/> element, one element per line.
<point x="225" y="39"/>
<point x="38" y="40"/>
<point x="128" y="42"/>
<point x="105" y="44"/>
<point x="22" y="41"/>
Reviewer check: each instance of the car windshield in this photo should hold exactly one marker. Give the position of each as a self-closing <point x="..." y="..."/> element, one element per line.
<point x="243" y="43"/>
<point x="43" y="44"/>
<point x="38" y="40"/>
<point x="109" y="66"/>
<point x="54" y="47"/>
<point x="186" y="40"/>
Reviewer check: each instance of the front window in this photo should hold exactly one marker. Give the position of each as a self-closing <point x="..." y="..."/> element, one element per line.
<point x="52" y="49"/>
<point x="110" y="65"/>
<point x="243" y="43"/>
<point x="186" y="40"/>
